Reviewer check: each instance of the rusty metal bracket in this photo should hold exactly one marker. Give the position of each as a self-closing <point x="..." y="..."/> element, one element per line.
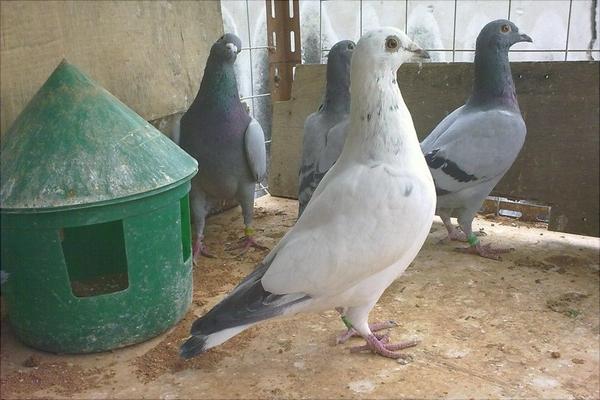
<point x="283" y="33"/>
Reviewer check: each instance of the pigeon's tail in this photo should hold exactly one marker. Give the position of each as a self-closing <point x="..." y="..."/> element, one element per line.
<point x="193" y="346"/>
<point x="246" y="305"/>
<point x="198" y="344"/>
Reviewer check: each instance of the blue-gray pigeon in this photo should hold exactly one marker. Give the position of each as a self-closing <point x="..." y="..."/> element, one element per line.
<point x="473" y="147"/>
<point x="228" y="144"/>
<point x="333" y="109"/>
<point x="344" y="252"/>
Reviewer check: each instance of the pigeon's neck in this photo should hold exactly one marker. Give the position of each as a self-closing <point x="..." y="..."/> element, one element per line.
<point x="381" y="127"/>
<point x="337" y="93"/>
<point x="218" y="90"/>
<point x="493" y="85"/>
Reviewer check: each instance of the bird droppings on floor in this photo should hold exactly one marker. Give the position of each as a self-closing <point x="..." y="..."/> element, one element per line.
<point x="526" y="326"/>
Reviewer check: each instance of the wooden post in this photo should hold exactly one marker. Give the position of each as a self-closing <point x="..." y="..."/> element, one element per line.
<point x="283" y="31"/>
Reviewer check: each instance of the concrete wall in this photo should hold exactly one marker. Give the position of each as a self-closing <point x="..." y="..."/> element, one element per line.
<point x="149" y="54"/>
<point x="559" y="162"/>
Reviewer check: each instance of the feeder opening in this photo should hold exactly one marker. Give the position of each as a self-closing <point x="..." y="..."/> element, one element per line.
<point x="96" y="259"/>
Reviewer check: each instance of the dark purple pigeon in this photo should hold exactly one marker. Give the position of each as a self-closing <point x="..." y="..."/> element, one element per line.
<point x="228" y="144"/>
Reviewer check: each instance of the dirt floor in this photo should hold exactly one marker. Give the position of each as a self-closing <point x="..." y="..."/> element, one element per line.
<point x="527" y="326"/>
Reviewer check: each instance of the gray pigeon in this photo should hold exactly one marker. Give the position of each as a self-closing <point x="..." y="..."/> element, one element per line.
<point x="333" y="109"/>
<point x="228" y="144"/>
<point x="474" y="146"/>
<point x="344" y="252"/>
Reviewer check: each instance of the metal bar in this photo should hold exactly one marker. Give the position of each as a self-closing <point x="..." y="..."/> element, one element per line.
<point x="568" y="30"/>
<point x="454" y="32"/>
<point x="255" y="96"/>
<point x="360" y="13"/>
<point x="251" y="63"/>
<point x="320" y="25"/>
<point x="509" y="9"/>
<point x="406" y="16"/>
<point x="510" y="51"/>
<point x="258" y="48"/>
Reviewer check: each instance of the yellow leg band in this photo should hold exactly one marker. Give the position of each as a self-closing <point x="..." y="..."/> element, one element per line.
<point x="248" y="231"/>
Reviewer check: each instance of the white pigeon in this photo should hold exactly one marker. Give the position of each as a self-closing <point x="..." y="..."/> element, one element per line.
<point x="365" y="223"/>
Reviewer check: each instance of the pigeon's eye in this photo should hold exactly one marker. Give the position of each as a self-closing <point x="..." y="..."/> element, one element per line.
<point x="350" y="46"/>
<point x="505" y="28"/>
<point x="391" y="43"/>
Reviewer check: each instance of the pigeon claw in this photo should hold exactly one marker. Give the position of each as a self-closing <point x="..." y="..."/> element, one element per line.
<point x="377" y="326"/>
<point x="201" y="249"/>
<point x="383" y="348"/>
<point x="456" y="235"/>
<point x="459" y="236"/>
<point x="245" y="244"/>
<point x="485" y="251"/>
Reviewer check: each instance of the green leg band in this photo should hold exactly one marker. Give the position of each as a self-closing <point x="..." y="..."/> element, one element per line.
<point x="473" y="240"/>
<point x="346" y="322"/>
<point x="248" y="231"/>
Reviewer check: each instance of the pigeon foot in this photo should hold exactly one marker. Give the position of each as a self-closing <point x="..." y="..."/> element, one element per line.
<point x="200" y="249"/>
<point x="485" y="251"/>
<point x="245" y="244"/>
<point x="459" y="236"/>
<point x="456" y="235"/>
<point x="377" y="326"/>
<point x="383" y="348"/>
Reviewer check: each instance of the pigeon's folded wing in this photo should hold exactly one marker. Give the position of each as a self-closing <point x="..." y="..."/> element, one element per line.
<point x="476" y="147"/>
<point x="338" y="242"/>
<point x="254" y="143"/>
<point x="334" y="145"/>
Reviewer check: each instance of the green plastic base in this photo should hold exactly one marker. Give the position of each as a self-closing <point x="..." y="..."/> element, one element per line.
<point x="94" y="279"/>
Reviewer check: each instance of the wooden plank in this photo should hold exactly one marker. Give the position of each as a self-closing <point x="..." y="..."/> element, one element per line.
<point x="287" y="128"/>
<point x="148" y="54"/>
<point x="558" y="165"/>
<point x="284" y="52"/>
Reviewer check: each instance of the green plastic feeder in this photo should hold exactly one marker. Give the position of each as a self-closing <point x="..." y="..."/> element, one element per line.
<point x="95" y="221"/>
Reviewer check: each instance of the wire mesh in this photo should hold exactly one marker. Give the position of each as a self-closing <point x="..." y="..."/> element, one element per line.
<point x="558" y="9"/>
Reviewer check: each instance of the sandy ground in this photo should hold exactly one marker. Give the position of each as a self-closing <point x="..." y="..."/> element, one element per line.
<point x="527" y="326"/>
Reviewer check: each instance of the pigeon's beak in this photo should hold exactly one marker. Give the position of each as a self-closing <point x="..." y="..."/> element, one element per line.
<point x="232" y="48"/>
<point x="524" y="38"/>
<point x="420" y="53"/>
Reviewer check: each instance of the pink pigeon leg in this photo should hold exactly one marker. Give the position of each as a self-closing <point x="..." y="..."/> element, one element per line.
<point x="383" y="348"/>
<point x="200" y="248"/>
<point x="377" y="326"/>
<point x="486" y="251"/>
<point x="247" y="242"/>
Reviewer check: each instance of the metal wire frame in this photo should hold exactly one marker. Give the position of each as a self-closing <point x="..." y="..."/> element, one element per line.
<point x="454" y="50"/>
<point x="260" y="186"/>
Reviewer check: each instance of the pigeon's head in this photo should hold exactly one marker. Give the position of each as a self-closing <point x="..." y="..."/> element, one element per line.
<point x="500" y="34"/>
<point x="226" y="48"/>
<point x="341" y="52"/>
<point x="387" y="47"/>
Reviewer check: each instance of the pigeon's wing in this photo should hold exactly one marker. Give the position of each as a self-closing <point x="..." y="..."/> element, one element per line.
<point x="477" y="147"/>
<point x="429" y="141"/>
<point x="358" y="223"/>
<point x="311" y="148"/>
<point x="336" y="138"/>
<point x="256" y="155"/>
<point x="313" y="130"/>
